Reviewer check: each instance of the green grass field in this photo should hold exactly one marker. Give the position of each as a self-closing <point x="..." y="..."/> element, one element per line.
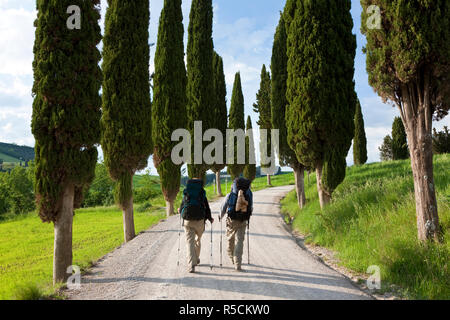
<point x="26" y="246"/>
<point x="7" y="158"/>
<point x="372" y="221"/>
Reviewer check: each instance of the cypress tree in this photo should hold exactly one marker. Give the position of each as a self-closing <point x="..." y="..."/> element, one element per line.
<point x="359" y="141"/>
<point x="399" y="144"/>
<point x="408" y="62"/>
<point x="236" y="122"/>
<point x="126" y="118"/>
<point x="278" y="112"/>
<point x="200" y="86"/>
<point x="249" y="169"/>
<point x="169" y="105"/>
<point x="321" y="93"/>
<point x="66" y="114"/>
<point x="220" y="118"/>
<point x="263" y="107"/>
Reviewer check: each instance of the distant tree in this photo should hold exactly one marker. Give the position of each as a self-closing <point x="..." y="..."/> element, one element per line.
<point x="263" y="107"/>
<point x="399" y="143"/>
<point x="126" y="118"/>
<point x="408" y="63"/>
<point x="360" y="140"/>
<point x="1" y="165"/>
<point x="101" y="191"/>
<point x="66" y="113"/>
<point x="4" y="193"/>
<point x="236" y="122"/>
<point x="169" y="105"/>
<point x="220" y="119"/>
<point x="321" y="91"/>
<point x="21" y="195"/>
<point x="385" y="149"/>
<point x="249" y="169"/>
<point x="279" y="104"/>
<point x="200" y="86"/>
<point x="441" y="141"/>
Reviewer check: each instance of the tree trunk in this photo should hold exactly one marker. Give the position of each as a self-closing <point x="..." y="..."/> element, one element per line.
<point x="62" y="256"/>
<point x="418" y="126"/>
<point x="170" y="208"/>
<point x="128" y="219"/>
<point x="299" y="174"/>
<point x="219" y="187"/>
<point x="324" y="197"/>
<point x="269" y="182"/>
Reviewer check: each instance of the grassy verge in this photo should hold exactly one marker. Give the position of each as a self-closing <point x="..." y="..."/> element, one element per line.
<point x="372" y="221"/>
<point x="26" y="247"/>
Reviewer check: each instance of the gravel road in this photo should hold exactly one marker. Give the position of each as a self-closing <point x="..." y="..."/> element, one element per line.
<point x="146" y="267"/>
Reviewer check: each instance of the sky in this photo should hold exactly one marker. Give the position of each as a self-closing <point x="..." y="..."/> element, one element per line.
<point x="243" y="34"/>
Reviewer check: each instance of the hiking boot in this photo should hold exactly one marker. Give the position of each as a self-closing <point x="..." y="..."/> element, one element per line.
<point x="192" y="270"/>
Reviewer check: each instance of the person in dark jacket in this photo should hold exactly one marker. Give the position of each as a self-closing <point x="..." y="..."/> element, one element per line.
<point x="237" y="220"/>
<point x="194" y="217"/>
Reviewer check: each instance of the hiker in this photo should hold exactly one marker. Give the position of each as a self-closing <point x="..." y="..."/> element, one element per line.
<point x="194" y="211"/>
<point x="238" y="205"/>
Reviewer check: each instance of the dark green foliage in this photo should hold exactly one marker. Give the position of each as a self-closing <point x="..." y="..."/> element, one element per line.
<point x="320" y="93"/>
<point x="263" y="107"/>
<point x="414" y="41"/>
<point x="441" y="141"/>
<point x="386" y="149"/>
<point x="360" y="140"/>
<point x="220" y="118"/>
<point x="249" y="169"/>
<point x="66" y="107"/>
<point x="399" y="144"/>
<point x="126" y="120"/>
<point x="200" y="86"/>
<point x="278" y="95"/>
<point x="169" y="105"/>
<point x="236" y="121"/>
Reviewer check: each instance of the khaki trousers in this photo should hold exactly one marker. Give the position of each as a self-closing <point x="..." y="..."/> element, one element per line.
<point x="194" y="231"/>
<point x="236" y="237"/>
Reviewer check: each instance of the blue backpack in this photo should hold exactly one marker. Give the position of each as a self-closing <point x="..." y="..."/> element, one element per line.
<point x="194" y="201"/>
<point x="244" y="185"/>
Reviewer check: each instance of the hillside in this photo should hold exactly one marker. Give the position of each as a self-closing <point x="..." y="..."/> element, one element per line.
<point x="14" y="153"/>
<point x="372" y="221"/>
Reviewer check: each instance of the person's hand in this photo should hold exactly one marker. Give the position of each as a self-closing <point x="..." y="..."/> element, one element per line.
<point x="178" y="210"/>
<point x="211" y="220"/>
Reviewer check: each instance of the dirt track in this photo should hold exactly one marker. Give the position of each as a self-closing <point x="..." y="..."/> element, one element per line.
<point x="146" y="268"/>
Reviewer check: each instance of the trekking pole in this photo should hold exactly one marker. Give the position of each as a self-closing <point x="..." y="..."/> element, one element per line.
<point x="220" y="220"/>
<point x="248" y="241"/>
<point x="179" y="240"/>
<point x="211" y="246"/>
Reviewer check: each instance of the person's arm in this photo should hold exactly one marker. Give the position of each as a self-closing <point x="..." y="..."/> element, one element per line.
<point x="208" y="211"/>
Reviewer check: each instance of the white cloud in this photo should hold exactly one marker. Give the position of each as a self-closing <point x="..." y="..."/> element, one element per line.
<point x="16" y="41"/>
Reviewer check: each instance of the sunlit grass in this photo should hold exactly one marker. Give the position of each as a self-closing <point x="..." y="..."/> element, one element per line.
<point x="372" y="221"/>
<point x="26" y="247"/>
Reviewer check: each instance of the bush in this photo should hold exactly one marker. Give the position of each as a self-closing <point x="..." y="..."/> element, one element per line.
<point x="21" y="194"/>
<point x="441" y="141"/>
